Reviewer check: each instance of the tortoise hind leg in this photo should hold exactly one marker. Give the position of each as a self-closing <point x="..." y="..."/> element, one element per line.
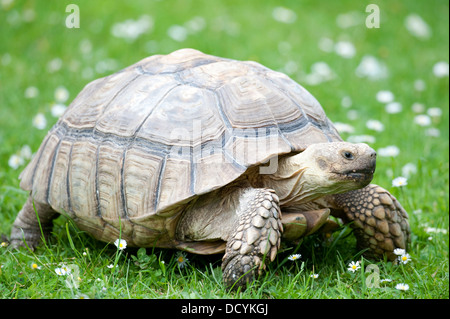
<point x="380" y="222"/>
<point x="26" y="226"/>
<point x="255" y="239"/>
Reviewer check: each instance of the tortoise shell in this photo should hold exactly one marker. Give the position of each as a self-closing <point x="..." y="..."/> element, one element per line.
<point x="135" y="147"/>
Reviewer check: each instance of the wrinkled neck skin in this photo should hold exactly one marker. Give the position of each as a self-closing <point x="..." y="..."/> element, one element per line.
<point x="298" y="181"/>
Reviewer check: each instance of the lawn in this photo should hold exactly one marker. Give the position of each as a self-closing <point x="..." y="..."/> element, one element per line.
<point x="386" y="86"/>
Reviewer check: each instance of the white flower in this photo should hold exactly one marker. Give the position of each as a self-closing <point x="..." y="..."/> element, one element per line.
<point x="110" y="266"/>
<point x="290" y="67"/>
<point x="121" y="244"/>
<point x="182" y="259"/>
<point x="39" y="121"/>
<point x="131" y="29"/>
<point x="54" y="65"/>
<point x="420" y="85"/>
<point x="62" y="271"/>
<point x="344" y="128"/>
<point x="393" y="107"/>
<point x="409" y="169"/>
<point x="422" y="120"/>
<point x="404" y="258"/>
<point x="440" y="69"/>
<point x="375" y="125"/>
<point x="326" y="44"/>
<point x="417" y="107"/>
<point x="315" y="276"/>
<point x="417" y="26"/>
<point x="385" y="96"/>
<point x="61" y="94"/>
<point x="31" y="92"/>
<point x="196" y="24"/>
<point x="345" y="49"/>
<point x="58" y="109"/>
<point x="35" y="266"/>
<point x="434" y="112"/>
<point x="385" y="280"/>
<point x="15" y="161"/>
<point x="349" y="19"/>
<point x="435" y="230"/>
<point x="177" y="33"/>
<point x="284" y="15"/>
<point x="294" y="257"/>
<point x="346" y="101"/>
<point x="399" y="251"/>
<point x="361" y="139"/>
<point x="106" y="65"/>
<point x="388" y="151"/>
<point x="25" y="152"/>
<point x="371" y="68"/>
<point x="433" y="132"/>
<point x="403" y="287"/>
<point x="399" y="181"/>
<point x="353" y="266"/>
<point x="320" y="72"/>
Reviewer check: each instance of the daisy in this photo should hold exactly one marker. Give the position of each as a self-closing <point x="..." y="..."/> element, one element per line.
<point x="440" y="69"/>
<point x="409" y="169"/>
<point x="345" y="49"/>
<point x="61" y="94"/>
<point x="375" y="125"/>
<point x="422" y="120"/>
<point x="434" y="112"/>
<point x="385" y="96"/>
<point x="177" y="33"/>
<point x="35" y="266"/>
<point x="15" y="161"/>
<point x="39" y="121"/>
<point x="404" y="258"/>
<point x="31" y="92"/>
<point x="402" y="287"/>
<point x="400" y="181"/>
<point x="294" y="257"/>
<point x="388" y="151"/>
<point x="110" y="266"/>
<point x="4" y="244"/>
<point x="25" y="152"/>
<point x="121" y="244"/>
<point x="417" y="26"/>
<point x="284" y="15"/>
<point x="315" y="276"/>
<point x="353" y="266"/>
<point x="61" y="271"/>
<point x="393" y="107"/>
<point x="182" y="259"/>
<point x="399" y="251"/>
<point x="58" y="109"/>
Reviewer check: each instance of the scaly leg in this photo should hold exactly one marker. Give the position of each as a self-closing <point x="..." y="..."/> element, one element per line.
<point x="26" y="226"/>
<point x="255" y="238"/>
<point x="380" y="222"/>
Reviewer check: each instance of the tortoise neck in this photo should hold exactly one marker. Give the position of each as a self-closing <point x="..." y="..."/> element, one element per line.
<point x="291" y="181"/>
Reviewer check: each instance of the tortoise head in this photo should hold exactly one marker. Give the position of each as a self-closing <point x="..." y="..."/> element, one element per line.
<point x="347" y="164"/>
<point x="322" y="169"/>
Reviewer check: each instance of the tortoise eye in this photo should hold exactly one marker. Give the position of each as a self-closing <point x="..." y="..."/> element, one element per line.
<point x="347" y="155"/>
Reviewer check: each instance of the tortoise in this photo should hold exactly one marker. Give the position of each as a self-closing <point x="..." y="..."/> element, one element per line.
<point x="208" y="155"/>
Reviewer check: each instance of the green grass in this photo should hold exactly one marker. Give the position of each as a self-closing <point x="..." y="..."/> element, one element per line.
<point x="33" y="34"/>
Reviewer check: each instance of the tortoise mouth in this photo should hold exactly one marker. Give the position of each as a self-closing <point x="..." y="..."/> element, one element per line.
<point x="360" y="176"/>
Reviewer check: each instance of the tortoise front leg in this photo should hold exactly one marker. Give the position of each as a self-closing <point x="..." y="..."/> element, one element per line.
<point x="26" y="226"/>
<point x="380" y="222"/>
<point x="255" y="238"/>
